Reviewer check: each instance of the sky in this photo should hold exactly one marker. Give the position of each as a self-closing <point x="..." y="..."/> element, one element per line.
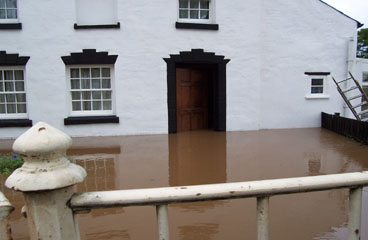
<point x="357" y="9"/>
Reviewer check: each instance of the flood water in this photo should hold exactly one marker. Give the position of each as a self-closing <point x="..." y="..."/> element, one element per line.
<point x="203" y="157"/>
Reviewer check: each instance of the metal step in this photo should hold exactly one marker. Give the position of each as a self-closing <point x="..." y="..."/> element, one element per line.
<point x="352" y="98"/>
<point x="352" y="88"/>
<point x="362" y="112"/>
<point x="360" y="104"/>
<point x="344" y="80"/>
<point x="361" y="115"/>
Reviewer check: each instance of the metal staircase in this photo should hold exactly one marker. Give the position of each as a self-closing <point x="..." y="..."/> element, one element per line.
<point x="354" y="97"/>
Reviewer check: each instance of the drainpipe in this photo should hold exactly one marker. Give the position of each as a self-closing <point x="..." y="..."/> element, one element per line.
<point x="47" y="180"/>
<point x="351" y="62"/>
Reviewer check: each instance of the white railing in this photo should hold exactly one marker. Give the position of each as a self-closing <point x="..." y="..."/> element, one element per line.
<point x="262" y="190"/>
<point x="47" y="178"/>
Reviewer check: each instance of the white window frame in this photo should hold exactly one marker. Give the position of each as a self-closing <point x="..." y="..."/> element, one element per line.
<point x="322" y="95"/>
<point x="210" y="20"/>
<point x="90" y="112"/>
<point x="11" y="20"/>
<point x="364" y="74"/>
<point x="15" y="115"/>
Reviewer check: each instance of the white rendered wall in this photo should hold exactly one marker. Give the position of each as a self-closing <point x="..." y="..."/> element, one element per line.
<point x="270" y="43"/>
<point x="301" y="36"/>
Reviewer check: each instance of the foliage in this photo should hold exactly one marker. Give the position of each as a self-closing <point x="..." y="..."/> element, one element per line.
<point x="362" y="50"/>
<point x="9" y="162"/>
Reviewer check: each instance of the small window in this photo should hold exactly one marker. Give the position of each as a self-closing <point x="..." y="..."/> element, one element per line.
<point x="8" y="10"/>
<point x="194" y="9"/>
<point x="91" y="90"/>
<point x="317" y="86"/>
<point x="365" y="77"/>
<point x="13" y="102"/>
<point x="198" y="11"/>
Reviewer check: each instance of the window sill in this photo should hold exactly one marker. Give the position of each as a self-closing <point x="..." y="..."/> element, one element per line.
<point x="91" y="120"/>
<point x="317" y="96"/>
<point x="204" y="26"/>
<point x="10" y="26"/>
<point x="107" y="26"/>
<point x="15" y="123"/>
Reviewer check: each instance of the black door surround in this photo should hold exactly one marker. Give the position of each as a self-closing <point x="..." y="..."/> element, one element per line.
<point x="204" y="59"/>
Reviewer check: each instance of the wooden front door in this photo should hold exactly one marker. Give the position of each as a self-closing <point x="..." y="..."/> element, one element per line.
<point x="191" y="99"/>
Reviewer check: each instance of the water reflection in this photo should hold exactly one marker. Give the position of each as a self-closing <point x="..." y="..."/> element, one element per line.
<point x="197" y="158"/>
<point x="213" y="157"/>
<point x="314" y="163"/>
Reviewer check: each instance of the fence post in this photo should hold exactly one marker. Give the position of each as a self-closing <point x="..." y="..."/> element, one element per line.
<point x="263" y="218"/>
<point x="5" y="209"/>
<point x="47" y="180"/>
<point x="355" y="213"/>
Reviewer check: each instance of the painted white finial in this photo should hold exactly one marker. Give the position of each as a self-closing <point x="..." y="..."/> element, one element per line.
<point x="5" y="206"/>
<point x="45" y="167"/>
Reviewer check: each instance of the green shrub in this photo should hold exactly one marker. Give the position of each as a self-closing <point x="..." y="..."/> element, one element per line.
<point x="9" y="162"/>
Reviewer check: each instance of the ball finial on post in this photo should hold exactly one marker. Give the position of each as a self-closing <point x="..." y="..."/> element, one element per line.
<point x="45" y="167"/>
<point x="47" y="180"/>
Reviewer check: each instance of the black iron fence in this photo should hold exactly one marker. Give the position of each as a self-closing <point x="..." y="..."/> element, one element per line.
<point x="346" y="126"/>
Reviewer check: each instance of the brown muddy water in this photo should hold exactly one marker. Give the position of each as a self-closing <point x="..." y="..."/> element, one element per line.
<point x="204" y="157"/>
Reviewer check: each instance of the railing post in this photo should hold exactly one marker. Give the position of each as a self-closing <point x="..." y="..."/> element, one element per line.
<point x="5" y="209"/>
<point x="163" y="222"/>
<point x="262" y="218"/>
<point x="355" y="213"/>
<point x="47" y="180"/>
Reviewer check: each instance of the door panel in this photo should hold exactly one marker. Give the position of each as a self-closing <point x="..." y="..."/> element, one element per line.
<point x="192" y="99"/>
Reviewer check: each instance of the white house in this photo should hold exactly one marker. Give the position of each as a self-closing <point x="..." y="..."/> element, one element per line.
<point x="119" y="67"/>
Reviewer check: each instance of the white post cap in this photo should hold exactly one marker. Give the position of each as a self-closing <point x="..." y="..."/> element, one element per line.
<point x="5" y="206"/>
<point x="45" y="167"/>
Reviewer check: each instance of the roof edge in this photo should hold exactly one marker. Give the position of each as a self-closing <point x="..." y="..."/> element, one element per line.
<point x="359" y="24"/>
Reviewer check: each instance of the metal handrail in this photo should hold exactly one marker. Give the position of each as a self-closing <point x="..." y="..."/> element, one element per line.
<point x="262" y="190"/>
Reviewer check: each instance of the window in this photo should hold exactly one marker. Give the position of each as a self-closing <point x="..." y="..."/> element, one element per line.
<point x="13" y="103"/>
<point x="9" y="15"/>
<point x="196" y="14"/>
<point x="365" y="77"/>
<point x="194" y="9"/>
<point x="90" y="77"/>
<point x="91" y="90"/>
<point x="8" y="10"/>
<point x="317" y="86"/>
<point x="96" y="14"/>
<point x="12" y="93"/>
